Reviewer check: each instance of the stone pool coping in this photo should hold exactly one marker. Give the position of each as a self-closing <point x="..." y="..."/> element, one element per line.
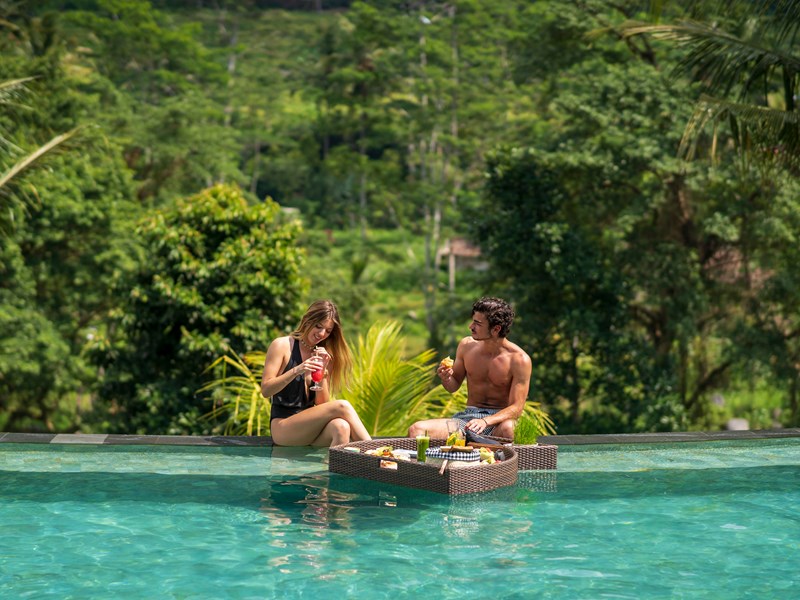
<point x="244" y="441"/>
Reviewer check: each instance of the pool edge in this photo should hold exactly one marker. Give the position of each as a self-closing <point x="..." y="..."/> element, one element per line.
<point x="134" y="440"/>
<point x="245" y="441"/>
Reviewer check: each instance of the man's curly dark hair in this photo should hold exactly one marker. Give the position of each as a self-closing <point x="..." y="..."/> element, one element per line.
<point x="497" y="312"/>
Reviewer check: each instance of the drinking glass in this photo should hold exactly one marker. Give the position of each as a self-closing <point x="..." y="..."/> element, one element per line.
<point x="423" y="443"/>
<point x="317" y="376"/>
<point x="455" y="433"/>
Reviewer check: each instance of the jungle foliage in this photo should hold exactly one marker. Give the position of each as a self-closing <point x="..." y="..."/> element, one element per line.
<point x="180" y="179"/>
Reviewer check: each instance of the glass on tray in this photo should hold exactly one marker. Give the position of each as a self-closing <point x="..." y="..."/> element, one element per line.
<point x="423" y="441"/>
<point x="455" y="433"/>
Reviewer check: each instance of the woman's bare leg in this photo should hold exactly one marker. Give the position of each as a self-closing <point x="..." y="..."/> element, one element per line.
<point x="336" y="432"/>
<point x="307" y="427"/>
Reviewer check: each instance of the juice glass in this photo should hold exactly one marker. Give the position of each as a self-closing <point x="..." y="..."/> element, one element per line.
<point x="455" y="433"/>
<point x="423" y="442"/>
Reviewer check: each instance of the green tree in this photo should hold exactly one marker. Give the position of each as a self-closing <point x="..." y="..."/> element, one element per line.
<point x="58" y="269"/>
<point x="155" y="86"/>
<point x="644" y="274"/>
<point x="221" y="275"/>
<point x="742" y="55"/>
<point x="560" y="212"/>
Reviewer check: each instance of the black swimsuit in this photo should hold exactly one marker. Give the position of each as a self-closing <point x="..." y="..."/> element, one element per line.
<point x="294" y="398"/>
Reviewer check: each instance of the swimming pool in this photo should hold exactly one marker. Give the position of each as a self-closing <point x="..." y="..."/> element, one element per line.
<point x="711" y="520"/>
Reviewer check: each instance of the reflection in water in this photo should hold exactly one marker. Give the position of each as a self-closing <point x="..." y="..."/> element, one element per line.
<point x="538" y="481"/>
<point x="323" y="502"/>
<point x="330" y="525"/>
<point x="316" y="515"/>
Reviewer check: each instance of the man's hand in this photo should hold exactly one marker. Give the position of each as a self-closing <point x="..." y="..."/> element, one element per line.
<point x="445" y="370"/>
<point x="477" y="425"/>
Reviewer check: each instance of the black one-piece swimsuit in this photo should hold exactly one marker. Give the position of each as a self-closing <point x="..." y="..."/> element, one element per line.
<point x="294" y="398"/>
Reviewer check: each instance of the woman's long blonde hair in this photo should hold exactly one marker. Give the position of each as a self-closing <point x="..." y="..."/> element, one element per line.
<point x="341" y="362"/>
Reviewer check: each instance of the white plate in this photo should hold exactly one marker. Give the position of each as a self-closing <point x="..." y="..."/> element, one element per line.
<point x="405" y="453"/>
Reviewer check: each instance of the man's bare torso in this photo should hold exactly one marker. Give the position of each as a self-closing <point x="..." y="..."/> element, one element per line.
<point x="489" y="373"/>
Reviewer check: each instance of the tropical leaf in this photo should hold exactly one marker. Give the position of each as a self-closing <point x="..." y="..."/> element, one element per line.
<point x="722" y="60"/>
<point x="9" y="91"/>
<point x="776" y="133"/>
<point x="533" y="423"/>
<point x="31" y="158"/>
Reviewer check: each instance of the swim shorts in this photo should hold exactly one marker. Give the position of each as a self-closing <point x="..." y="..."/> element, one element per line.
<point x="473" y="412"/>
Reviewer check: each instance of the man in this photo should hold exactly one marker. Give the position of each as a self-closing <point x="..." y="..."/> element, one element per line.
<point x="498" y="374"/>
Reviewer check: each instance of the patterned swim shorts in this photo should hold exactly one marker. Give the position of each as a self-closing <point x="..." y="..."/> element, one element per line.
<point x="473" y="412"/>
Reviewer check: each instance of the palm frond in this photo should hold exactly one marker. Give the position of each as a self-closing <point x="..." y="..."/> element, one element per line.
<point x="784" y="15"/>
<point x="720" y="59"/>
<point x="741" y="74"/>
<point x="237" y="397"/>
<point x="8" y="200"/>
<point x="12" y="89"/>
<point x="767" y="133"/>
<point x="34" y="156"/>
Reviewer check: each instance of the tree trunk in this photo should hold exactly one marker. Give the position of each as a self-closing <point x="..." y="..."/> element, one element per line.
<point x="573" y="387"/>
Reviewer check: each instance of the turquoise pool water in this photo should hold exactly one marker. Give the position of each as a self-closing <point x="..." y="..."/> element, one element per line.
<point x="715" y="520"/>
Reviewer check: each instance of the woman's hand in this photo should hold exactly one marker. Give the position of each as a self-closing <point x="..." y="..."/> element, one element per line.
<point x="311" y="364"/>
<point x="322" y="354"/>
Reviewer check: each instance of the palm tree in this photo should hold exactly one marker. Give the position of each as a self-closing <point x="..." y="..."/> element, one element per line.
<point x="749" y="68"/>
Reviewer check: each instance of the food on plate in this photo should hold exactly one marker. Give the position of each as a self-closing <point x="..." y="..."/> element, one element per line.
<point x="447" y="363"/>
<point x="487" y="456"/>
<point x="389" y="452"/>
<point x="388" y="464"/>
<point x="381" y="451"/>
<point x="456" y="448"/>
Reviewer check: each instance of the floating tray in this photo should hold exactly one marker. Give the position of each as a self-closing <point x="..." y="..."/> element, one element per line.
<point x="458" y="478"/>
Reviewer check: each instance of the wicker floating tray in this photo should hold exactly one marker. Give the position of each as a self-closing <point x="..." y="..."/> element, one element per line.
<point x="457" y="478"/>
<point x="537" y="457"/>
<point x="533" y="457"/>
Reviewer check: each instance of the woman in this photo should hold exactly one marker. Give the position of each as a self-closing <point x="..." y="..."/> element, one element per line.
<point x="301" y="416"/>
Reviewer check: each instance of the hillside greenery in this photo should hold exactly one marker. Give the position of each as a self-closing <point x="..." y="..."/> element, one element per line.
<point x="196" y="173"/>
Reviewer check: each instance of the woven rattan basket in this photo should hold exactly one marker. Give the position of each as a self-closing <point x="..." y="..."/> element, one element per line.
<point x="464" y="478"/>
<point x="533" y="457"/>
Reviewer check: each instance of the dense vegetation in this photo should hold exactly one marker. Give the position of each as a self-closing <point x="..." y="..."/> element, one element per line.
<point x="211" y="168"/>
